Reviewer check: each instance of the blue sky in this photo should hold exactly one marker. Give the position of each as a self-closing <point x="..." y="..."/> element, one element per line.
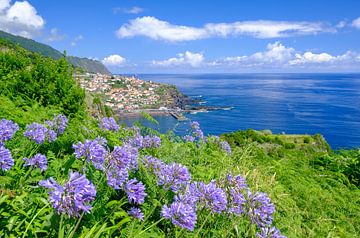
<point x="196" y="36"/>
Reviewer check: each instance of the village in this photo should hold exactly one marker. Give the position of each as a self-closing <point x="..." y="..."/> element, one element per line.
<point x="129" y="93"/>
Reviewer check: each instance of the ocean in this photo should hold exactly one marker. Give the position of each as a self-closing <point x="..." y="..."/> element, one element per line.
<point x="328" y="104"/>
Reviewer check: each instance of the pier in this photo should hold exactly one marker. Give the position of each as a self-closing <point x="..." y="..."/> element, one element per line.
<point x="177" y="115"/>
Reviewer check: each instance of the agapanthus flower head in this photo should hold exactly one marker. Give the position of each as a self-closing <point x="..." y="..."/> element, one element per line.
<point x="58" y="124"/>
<point x="37" y="161"/>
<point x="269" y="232"/>
<point x="6" y="160"/>
<point x="73" y="197"/>
<point x="7" y="130"/>
<point x="260" y="208"/>
<point x="151" y="142"/>
<point x="212" y="197"/>
<point x="136" y="213"/>
<point x="39" y="133"/>
<point x="116" y="177"/>
<point x="153" y="165"/>
<point x="109" y="123"/>
<point x="93" y="150"/>
<point x="225" y="146"/>
<point x="174" y="176"/>
<point x="195" y="125"/>
<point x="124" y="157"/>
<point x="188" y="194"/>
<point x="236" y="182"/>
<point x="198" y="133"/>
<point x="136" y="141"/>
<point x="237" y="189"/>
<point x="135" y="191"/>
<point x="180" y="214"/>
<point x="189" y="138"/>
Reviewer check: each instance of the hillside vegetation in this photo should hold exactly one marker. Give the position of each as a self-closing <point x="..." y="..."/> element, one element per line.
<point x="66" y="174"/>
<point x="89" y="65"/>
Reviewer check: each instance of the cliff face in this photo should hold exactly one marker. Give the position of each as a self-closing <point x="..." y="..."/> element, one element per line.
<point x="92" y="66"/>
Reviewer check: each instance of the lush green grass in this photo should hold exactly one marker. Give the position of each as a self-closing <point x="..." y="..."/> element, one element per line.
<point x="315" y="190"/>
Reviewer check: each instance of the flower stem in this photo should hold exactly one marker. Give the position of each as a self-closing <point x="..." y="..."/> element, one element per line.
<point x="76" y="226"/>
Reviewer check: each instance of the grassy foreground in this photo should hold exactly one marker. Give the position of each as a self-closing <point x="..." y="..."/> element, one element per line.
<point x="315" y="190"/>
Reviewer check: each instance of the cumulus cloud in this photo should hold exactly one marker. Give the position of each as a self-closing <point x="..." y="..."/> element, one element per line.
<point x="187" y="58"/>
<point x="75" y="41"/>
<point x="161" y="30"/>
<point x="20" y="18"/>
<point x="356" y="23"/>
<point x="281" y="57"/>
<point x="133" y="10"/>
<point x="55" y="35"/>
<point x="113" y="60"/>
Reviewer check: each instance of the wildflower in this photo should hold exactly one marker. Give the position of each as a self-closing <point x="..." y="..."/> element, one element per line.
<point x="109" y="123"/>
<point x="135" y="191"/>
<point x="38" y="161"/>
<point x="58" y="124"/>
<point x="93" y="150"/>
<point x="116" y="177"/>
<point x="188" y="195"/>
<point x="225" y="146"/>
<point x="7" y="130"/>
<point x="236" y="187"/>
<point x="174" y="176"/>
<point x="195" y="125"/>
<point x="199" y="134"/>
<point x="6" y="160"/>
<point x="136" y="213"/>
<point x="181" y="214"/>
<point x="72" y="198"/>
<point x="39" y="133"/>
<point x="260" y="209"/>
<point x="136" y="141"/>
<point x="151" y="142"/>
<point x="124" y="157"/>
<point x="189" y="138"/>
<point x="270" y="232"/>
<point x="153" y="165"/>
<point x="212" y="197"/>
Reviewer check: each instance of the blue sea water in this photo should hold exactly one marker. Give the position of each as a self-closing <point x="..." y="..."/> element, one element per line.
<point x="292" y="103"/>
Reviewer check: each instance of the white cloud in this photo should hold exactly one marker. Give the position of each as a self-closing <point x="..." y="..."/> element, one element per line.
<point x="161" y="30"/>
<point x="75" y="41"/>
<point x="20" y="18"/>
<point x="341" y="24"/>
<point x="133" y="10"/>
<point x="356" y="23"/>
<point x="113" y="60"/>
<point x="55" y="35"/>
<point x="187" y="58"/>
<point x="278" y="56"/>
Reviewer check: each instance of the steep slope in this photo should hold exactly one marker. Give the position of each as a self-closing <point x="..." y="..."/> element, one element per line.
<point x="92" y="66"/>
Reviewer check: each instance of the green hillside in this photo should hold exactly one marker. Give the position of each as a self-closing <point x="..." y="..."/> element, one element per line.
<point x="95" y="178"/>
<point x="92" y="66"/>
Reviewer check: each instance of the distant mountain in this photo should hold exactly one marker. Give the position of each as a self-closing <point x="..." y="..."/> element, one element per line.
<point x="89" y="65"/>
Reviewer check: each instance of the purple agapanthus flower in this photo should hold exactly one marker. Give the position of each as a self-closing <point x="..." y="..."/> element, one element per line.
<point x="189" y="138"/>
<point x="195" y="125"/>
<point x="7" y="130"/>
<point x="124" y="157"/>
<point x="212" y="197"/>
<point x="136" y="141"/>
<point x="58" y="124"/>
<point x="38" y="161"/>
<point x="6" y="160"/>
<point x="93" y="150"/>
<point x="39" y="133"/>
<point x="174" y="176"/>
<point x="270" y="232"/>
<point x="136" y="213"/>
<point x="151" y="142"/>
<point x="260" y="209"/>
<point x="225" y="146"/>
<point x="237" y="189"/>
<point x="180" y="214"/>
<point x="135" y="191"/>
<point x="109" y="123"/>
<point x="153" y="165"/>
<point x="116" y="177"/>
<point x="73" y="197"/>
<point x="188" y="195"/>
